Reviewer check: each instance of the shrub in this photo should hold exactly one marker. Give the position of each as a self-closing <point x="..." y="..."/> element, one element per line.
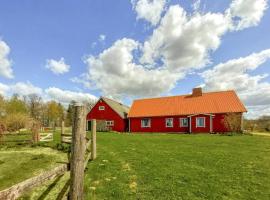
<point x="15" y="122"/>
<point x="232" y="122"/>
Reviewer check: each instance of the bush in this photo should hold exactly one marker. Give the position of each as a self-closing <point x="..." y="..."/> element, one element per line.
<point x="15" y="122"/>
<point x="232" y="122"/>
<point x="63" y="147"/>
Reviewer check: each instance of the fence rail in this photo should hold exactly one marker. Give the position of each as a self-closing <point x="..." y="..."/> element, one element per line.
<point x="46" y="137"/>
<point x="17" y="190"/>
<point x="76" y="167"/>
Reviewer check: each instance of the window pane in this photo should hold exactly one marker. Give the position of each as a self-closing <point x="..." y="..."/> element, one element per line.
<point x="200" y="122"/>
<point x="145" y="122"/>
<point x="184" y="122"/>
<point x="169" y="122"/>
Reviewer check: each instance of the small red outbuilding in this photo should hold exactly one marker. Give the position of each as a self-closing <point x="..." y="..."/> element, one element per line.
<point x="112" y="112"/>
<point x="198" y="112"/>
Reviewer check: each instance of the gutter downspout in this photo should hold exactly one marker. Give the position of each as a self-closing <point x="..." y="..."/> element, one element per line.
<point x="242" y="122"/>
<point x="211" y="123"/>
<point x="190" y="129"/>
<point x="129" y="125"/>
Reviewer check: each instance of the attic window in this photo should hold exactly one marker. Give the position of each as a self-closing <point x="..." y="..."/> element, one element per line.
<point x="101" y="108"/>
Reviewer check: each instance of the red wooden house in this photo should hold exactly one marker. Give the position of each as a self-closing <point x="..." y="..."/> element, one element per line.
<point x="112" y="112"/>
<point x="198" y="112"/>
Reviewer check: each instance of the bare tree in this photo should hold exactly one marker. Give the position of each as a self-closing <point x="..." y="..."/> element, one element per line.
<point x="232" y="122"/>
<point x="35" y="105"/>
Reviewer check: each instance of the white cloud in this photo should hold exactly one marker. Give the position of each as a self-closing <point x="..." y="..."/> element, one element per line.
<point x="116" y="74"/>
<point x="3" y="89"/>
<point x="235" y="74"/>
<point x="27" y="88"/>
<point x="51" y="93"/>
<point x="102" y="37"/>
<point x="149" y="10"/>
<point x="258" y="111"/>
<point x="57" y="67"/>
<point x="184" y="42"/>
<point x="180" y="44"/>
<point x="19" y="88"/>
<point x="5" y="63"/>
<point x="66" y="96"/>
<point x="247" y="13"/>
<point x="82" y="79"/>
<point x="196" y="5"/>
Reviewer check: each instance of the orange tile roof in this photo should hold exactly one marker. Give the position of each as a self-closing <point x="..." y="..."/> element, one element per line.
<point x="211" y="102"/>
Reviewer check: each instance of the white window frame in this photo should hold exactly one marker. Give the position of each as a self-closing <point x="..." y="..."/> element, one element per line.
<point x="149" y="124"/>
<point x="197" y="119"/>
<point x="166" y="122"/>
<point x="101" y="108"/>
<point x="110" y="123"/>
<point x="181" y="124"/>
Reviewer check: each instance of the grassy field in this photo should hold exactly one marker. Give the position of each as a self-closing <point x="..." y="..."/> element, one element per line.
<point x="153" y="166"/>
<point x="18" y="164"/>
<point x="179" y="167"/>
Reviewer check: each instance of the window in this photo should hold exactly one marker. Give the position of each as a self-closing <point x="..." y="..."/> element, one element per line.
<point x="183" y="122"/>
<point x="109" y="123"/>
<point x="101" y="108"/>
<point x="146" y="123"/>
<point x="200" y="122"/>
<point x="169" y="122"/>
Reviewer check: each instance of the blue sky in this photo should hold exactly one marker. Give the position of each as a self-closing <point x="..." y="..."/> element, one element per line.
<point x="38" y="32"/>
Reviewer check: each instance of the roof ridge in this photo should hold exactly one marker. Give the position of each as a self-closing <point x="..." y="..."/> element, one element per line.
<point x="115" y="101"/>
<point x="182" y="95"/>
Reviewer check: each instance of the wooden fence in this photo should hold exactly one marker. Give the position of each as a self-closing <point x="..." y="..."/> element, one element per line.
<point x="81" y="153"/>
<point x="16" y="138"/>
<point x="33" y="137"/>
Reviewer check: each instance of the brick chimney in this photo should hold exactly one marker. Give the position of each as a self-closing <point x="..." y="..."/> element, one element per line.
<point x="196" y="92"/>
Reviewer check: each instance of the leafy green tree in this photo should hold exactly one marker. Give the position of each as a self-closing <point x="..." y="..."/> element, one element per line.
<point x="16" y="105"/>
<point x="55" y="113"/>
<point x="2" y="106"/>
<point x="69" y="114"/>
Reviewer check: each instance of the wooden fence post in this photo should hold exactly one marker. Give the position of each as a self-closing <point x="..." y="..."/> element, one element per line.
<point x="35" y="133"/>
<point x="77" y="153"/>
<point x="93" y="139"/>
<point x="62" y="129"/>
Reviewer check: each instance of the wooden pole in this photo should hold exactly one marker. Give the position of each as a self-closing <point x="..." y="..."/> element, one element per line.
<point x="93" y="139"/>
<point x="77" y="154"/>
<point x="35" y="133"/>
<point x="62" y="129"/>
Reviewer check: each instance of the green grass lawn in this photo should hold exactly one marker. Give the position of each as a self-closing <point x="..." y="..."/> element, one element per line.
<point x="152" y="166"/>
<point x="21" y="163"/>
<point x="161" y="166"/>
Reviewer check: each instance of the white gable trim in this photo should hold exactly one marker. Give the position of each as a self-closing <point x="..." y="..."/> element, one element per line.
<point x="201" y="114"/>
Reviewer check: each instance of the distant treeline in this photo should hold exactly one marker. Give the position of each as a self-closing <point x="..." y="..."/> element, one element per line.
<point x="261" y="124"/>
<point x="20" y="112"/>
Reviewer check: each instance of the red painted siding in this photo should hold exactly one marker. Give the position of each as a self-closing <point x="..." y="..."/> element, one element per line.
<point x="218" y="124"/>
<point x="205" y="129"/>
<point x="158" y="124"/>
<point x="108" y="114"/>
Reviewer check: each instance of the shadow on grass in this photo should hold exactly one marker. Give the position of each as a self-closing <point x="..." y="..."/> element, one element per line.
<point x="50" y="187"/>
<point x="63" y="192"/>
